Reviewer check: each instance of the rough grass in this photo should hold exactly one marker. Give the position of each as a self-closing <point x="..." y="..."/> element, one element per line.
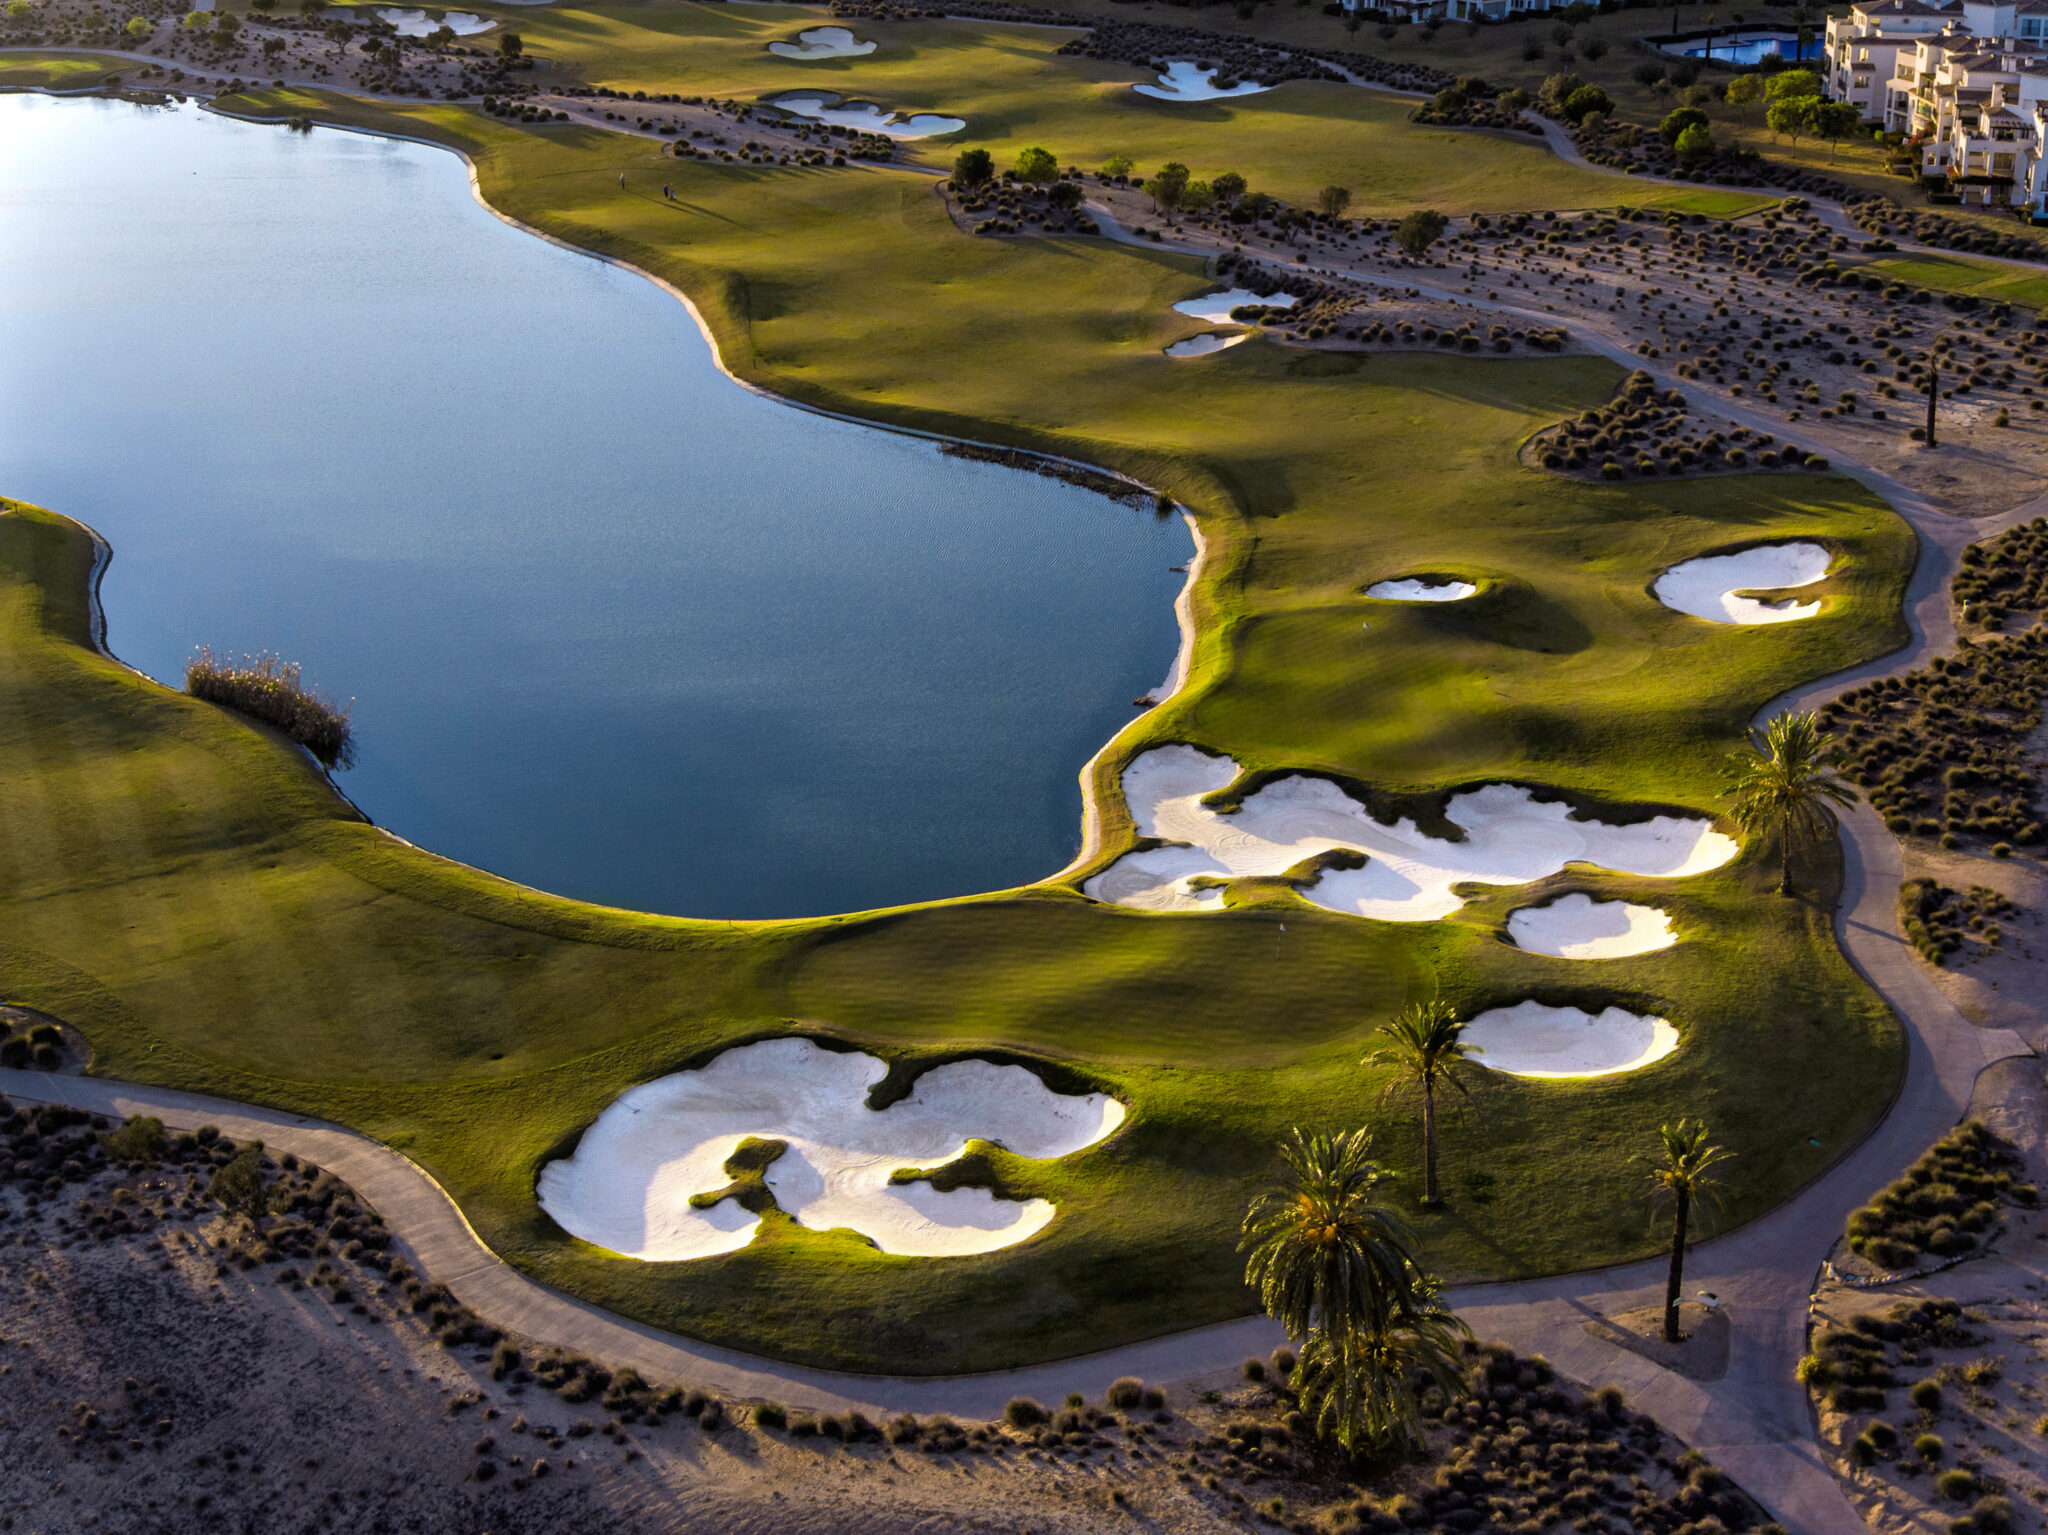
<point x="190" y="893"/>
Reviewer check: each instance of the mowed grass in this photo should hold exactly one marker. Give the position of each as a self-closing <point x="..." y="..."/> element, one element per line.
<point x="52" y="71"/>
<point x="1994" y="282"/>
<point x="184" y="887"/>
<point x="1014" y="90"/>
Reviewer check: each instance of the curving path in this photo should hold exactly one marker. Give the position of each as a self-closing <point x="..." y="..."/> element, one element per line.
<point x="1754" y="1421"/>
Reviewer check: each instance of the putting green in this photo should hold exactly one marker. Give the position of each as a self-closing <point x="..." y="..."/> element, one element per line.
<point x="190" y="892"/>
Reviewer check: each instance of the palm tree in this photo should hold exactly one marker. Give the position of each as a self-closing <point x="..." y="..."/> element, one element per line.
<point x="1361" y="1391"/>
<point x="1424" y="1047"/>
<point x="1337" y="1270"/>
<point x="1784" y="783"/>
<point x="1682" y="1174"/>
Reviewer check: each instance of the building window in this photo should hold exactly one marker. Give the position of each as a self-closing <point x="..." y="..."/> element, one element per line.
<point x="1863" y="82"/>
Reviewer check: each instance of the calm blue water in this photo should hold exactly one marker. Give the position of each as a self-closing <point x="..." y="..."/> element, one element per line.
<point x="613" y="626"/>
<point x="1753" y="50"/>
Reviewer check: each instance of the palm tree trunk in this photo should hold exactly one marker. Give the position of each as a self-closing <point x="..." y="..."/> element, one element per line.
<point x="1785" y="857"/>
<point x="1675" y="1287"/>
<point x="1429" y="1193"/>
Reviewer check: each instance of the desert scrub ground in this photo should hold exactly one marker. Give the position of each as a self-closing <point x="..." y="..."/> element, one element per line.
<point x="1945" y="751"/>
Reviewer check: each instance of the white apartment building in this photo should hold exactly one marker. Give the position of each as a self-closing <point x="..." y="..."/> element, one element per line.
<point x="1863" y="47"/>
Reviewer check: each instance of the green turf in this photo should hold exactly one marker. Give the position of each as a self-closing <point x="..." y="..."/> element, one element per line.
<point x="188" y="891"/>
<point x="52" y="71"/>
<point x="1994" y="282"/>
<point x="1014" y="90"/>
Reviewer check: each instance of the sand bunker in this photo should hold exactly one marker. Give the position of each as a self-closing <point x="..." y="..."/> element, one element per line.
<point x="822" y="43"/>
<point x="1531" y="1040"/>
<point x="824" y="107"/>
<point x="1710" y="588"/>
<point x="419" y="24"/>
<point x="1182" y="81"/>
<point x="629" y="1185"/>
<point x="1202" y="346"/>
<point x="1415" y="589"/>
<point x="1511" y="838"/>
<point x="1578" y="927"/>
<point x="1216" y="307"/>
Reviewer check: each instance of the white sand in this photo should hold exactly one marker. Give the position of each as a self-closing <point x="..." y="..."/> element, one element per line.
<point x="1531" y="1040"/>
<point x="1578" y="927"/>
<point x="1710" y="588"/>
<point x="824" y="107"/>
<point x="1183" y="82"/>
<point x="419" y="24"/>
<point x="1184" y="620"/>
<point x="1216" y="307"/>
<point x="822" y="43"/>
<point x="628" y="1186"/>
<point x="1511" y="839"/>
<point x="1204" y="345"/>
<point x="1416" y="590"/>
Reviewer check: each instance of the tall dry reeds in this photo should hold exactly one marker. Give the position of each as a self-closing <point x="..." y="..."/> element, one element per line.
<point x="270" y="689"/>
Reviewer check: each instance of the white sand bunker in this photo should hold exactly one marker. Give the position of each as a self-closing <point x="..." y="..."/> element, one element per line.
<point x="1204" y="345"/>
<point x="1711" y="588"/>
<point x="1417" y="589"/>
<point x="629" y="1185"/>
<point x="1531" y="1040"/>
<point x="419" y="24"/>
<point x="824" y="107"/>
<point x="822" y="43"/>
<point x="1578" y="927"/>
<point x="1184" y="81"/>
<point x="1511" y="838"/>
<point x="1216" y="307"/>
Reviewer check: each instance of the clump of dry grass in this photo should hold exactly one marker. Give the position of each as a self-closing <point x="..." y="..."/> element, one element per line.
<point x="272" y="690"/>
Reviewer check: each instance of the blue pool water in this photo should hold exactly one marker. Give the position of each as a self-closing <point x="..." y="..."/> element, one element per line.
<point x="1754" y="49"/>
<point x="613" y="625"/>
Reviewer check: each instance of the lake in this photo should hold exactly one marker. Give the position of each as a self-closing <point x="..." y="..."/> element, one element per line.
<point x="613" y="625"/>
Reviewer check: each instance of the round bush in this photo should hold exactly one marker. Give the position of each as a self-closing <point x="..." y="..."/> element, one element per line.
<point x="1023" y="1412"/>
<point x="1956" y="1485"/>
<point x="1927" y="1395"/>
<point x="1126" y="1393"/>
<point x="1929" y="1448"/>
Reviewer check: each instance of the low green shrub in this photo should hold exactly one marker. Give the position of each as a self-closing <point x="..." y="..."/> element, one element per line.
<point x="1126" y="1393"/>
<point x="1956" y="1485"/>
<point x="1929" y="1448"/>
<point x="1022" y="1413"/>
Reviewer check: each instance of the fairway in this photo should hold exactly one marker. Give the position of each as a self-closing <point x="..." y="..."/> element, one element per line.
<point x="1014" y="89"/>
<point x="190" y="892"/>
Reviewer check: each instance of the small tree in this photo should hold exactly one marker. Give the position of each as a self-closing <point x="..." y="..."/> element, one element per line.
<point x="1835" y="121"/>
<point x="1198" y="197"/>
<point x="1587" y="98"/>
<point x="1119" y="165"/>
<point x="237" y="1186"/>
<point x="1556" y="91"/>
<point x="1677" y="122"/>
<point x="1332" y="201"/>
<point x="1594" y="48"/>
<point x="1228" y="187"/>
<point x="1037" y="165"/>
<point x="1166" y="185"/>
<point x="1516" y="100"/>
<point x="1682" y="1175"/>
<point x="1791" y="117"/>
<point x="137" y="27"/>
<point x="1745" y="90"/>
<point x="1421" y="229"/>
<point x="1695" y="144"/>
<point x="511" y="46"/>
<point x="1792" y="84"/>
<point x="973" y="168"/>
<point x="1065" y="194"/>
